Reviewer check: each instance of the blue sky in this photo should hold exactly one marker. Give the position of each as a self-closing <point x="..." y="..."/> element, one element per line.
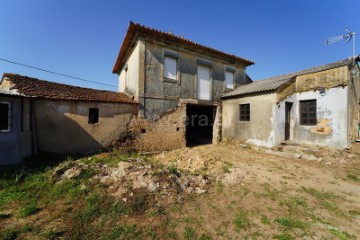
<point x="82" y="38"/>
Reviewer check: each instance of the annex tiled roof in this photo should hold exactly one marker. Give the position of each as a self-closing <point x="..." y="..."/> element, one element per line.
<point x="33" y="87"/>
<point x="275" y="82"/>
<point x="135" y="29"/>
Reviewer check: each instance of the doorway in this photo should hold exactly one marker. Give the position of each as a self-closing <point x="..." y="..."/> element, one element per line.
<point x="288" y="107"/>
<point x="199" y="124"/>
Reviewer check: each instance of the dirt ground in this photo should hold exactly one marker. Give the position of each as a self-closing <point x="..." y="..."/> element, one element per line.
<point x="225" y="191"/>
<point x="281" y="196"/>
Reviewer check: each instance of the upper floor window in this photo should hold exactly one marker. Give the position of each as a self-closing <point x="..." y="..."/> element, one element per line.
<point x="229" y="77"/>
<point x="126" y="77"/>
<point x="170" y="66"/>
<point x="5" y="117"/>
<point x="308" y="112"/>
<point x="244" y="112"/>
<point x="204" y="80"/>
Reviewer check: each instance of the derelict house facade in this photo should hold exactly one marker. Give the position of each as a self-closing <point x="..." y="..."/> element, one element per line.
<point x="40" y="116"/>
<point x="316" y="106"/>
<point x="176" y="80"/>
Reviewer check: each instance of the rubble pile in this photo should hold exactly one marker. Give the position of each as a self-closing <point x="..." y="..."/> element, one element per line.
<point x="135" y="175"/>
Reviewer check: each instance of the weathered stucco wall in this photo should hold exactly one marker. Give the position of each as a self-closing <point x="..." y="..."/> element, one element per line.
<point x="132" y="64"/>
<point x="159" y="96"/>
<point x="325" y="79"/>
<point x="331" y="129"/>
<point x="354" y="107"/>
<point x="16" y="144"/>
<point x="62" y="126"/>
<point x="260" y="129"/>
<point x="336" y="77"/>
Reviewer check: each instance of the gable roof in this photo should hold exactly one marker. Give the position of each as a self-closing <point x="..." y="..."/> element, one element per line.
<point x="135" y="29"/>
<point x="274" y="83"/>
<point x="33" y="87"/>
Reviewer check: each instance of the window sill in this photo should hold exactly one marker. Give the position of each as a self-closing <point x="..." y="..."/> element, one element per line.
<point x="170" y="80"/>
<point x="5" y="131"/>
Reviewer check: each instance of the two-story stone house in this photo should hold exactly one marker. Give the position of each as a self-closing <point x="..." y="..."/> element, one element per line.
<point x="178" y="84"/>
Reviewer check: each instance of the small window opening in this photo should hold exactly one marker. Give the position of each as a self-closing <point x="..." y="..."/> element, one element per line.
<point x="93" y="115"/>
<point x="170" y="68"/>
<point x="229" y="77"/>
<point x="5" y="117"/>
<point x="244" y="112"/>
<point x="143" y="130"/>
<point x="308" y="112"/>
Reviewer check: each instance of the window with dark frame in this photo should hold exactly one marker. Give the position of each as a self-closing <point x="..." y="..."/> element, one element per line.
<point x="308" y="112"/>
<point x="244" y="112"/>
<point x="93" y="115"/>
<point x="5" y="117"/>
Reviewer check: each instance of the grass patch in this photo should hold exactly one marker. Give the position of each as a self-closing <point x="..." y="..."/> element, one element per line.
<point x="284" y="236"/>
<point x="293" y="203"/>
<point x="326" y="200"/>
<point x="190" y="233"/>
<point x="123" y="232"/>
<point x="265" y="220"/>
<point x="241" y="221"/>
<point x="291" y="223"/>
<point x="29" y="209"/>
<point x="320" y="195"/>
<point x="354" y="212"/>
<point x="340" y="234"/>
<point x="273" y="194"/>
<point x="8" y="234"/>
<point x="227" y="166"/>
<point x="353" y="177"/>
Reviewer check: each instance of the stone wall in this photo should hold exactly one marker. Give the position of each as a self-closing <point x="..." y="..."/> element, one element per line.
<point x="62" y="126"/>
<point x="165" y="133"/>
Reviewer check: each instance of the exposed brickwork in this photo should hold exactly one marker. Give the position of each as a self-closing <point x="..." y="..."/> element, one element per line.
<point x="167" y="132"/>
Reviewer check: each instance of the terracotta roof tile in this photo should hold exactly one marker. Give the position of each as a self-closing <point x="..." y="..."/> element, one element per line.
<point x="33" y="87"/>
<point x="135" y="29"/>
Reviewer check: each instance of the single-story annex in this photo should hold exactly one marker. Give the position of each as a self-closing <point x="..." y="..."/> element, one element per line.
<point x="41" y="116"/>
<point x="317" y="106"/>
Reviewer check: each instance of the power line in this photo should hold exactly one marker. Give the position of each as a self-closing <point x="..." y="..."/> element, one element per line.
<point x="56" y="73"/>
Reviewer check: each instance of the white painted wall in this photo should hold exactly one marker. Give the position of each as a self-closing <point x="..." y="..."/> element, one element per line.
<point x="132" y="63"/>
<point x="332" y="105"/>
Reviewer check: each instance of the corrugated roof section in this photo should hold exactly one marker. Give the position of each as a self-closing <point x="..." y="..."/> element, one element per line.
<point x="275" y="82"/>
<point x="33" y="87"/>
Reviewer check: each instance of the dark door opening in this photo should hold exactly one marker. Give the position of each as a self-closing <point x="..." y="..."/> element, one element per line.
<point x="288" y="106"/>
<point x="199" y="124"/>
